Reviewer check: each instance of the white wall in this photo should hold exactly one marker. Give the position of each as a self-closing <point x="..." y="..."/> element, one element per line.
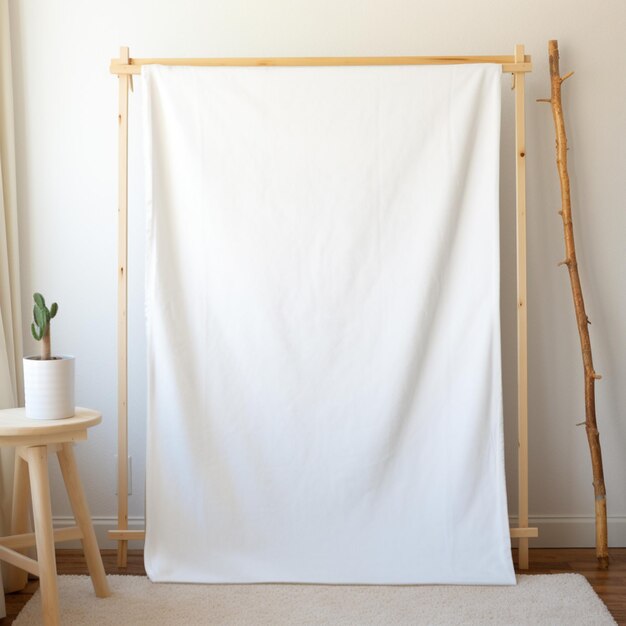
<point x="66" y="116"/>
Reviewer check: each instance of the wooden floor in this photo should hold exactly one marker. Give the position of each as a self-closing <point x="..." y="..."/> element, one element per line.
<point x="609" y="585"/>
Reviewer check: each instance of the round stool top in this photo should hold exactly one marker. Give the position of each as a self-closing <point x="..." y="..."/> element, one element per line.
<point x="14" y="423"/>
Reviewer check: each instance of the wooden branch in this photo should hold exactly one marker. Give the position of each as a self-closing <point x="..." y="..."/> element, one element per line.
<point x="582" y="320"/>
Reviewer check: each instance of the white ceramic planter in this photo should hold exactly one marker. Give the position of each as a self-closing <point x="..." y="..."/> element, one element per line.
<point x="49" y="387"/>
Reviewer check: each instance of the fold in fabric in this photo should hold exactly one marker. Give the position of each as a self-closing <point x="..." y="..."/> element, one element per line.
<point x="324" y="379"/>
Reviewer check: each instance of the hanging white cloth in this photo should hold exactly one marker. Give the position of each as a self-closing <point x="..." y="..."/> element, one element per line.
<point x="10" y="310"/>
<point x="323" y="325"/>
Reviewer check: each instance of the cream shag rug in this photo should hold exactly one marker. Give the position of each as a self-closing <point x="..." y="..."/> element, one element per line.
<point x="553" y="599"/>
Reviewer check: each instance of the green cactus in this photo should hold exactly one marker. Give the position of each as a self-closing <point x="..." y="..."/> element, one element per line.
<point x="40" y="328"/>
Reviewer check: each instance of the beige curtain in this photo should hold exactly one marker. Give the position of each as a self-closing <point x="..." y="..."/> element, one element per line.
<point x="10" y="312"/>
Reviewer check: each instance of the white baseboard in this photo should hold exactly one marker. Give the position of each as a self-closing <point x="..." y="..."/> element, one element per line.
<point x="555" y="531"/>
<point x="574" y="531"/>
<point x="101" y="525"/>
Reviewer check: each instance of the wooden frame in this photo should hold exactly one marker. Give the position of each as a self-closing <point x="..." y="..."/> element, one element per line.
<point x="517" y="64"/>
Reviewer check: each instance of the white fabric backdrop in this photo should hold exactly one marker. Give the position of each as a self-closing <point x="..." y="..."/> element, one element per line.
<point x="323" y="326"/>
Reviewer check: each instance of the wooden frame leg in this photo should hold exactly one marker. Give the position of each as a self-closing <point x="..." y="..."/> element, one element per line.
<point x="37" y="458"/>
<point x="16" y="577"/>
<point x="69" y="469"/>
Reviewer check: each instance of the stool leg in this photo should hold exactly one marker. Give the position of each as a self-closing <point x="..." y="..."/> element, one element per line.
<point x="16" y="577"/>
<point x="37" y="458"/>
<point x="76" y="494"/>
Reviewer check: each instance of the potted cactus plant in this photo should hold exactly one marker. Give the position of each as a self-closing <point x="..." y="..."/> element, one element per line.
<point x="48" y="380"/>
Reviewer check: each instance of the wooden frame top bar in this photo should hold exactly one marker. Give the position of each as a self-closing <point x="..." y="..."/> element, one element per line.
<point x="508" y="62"/>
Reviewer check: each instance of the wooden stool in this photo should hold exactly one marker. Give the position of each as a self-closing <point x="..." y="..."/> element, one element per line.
<point x="32" y="439"/>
